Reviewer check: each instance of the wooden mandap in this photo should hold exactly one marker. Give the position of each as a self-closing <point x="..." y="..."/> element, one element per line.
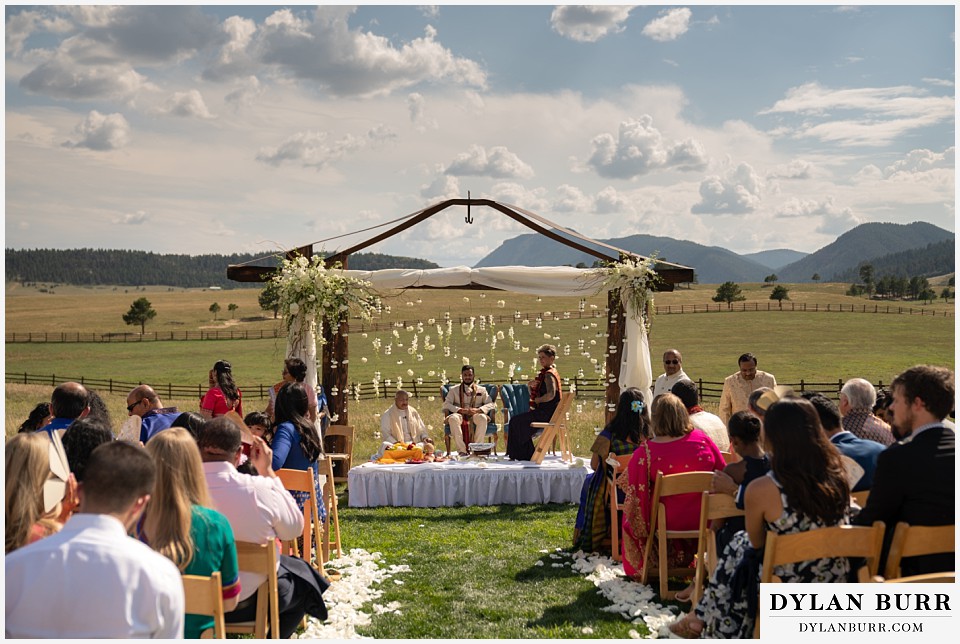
<point x="628" y="355"/>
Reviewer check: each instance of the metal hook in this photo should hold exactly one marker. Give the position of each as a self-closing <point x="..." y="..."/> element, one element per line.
<point x="468" y="218"/>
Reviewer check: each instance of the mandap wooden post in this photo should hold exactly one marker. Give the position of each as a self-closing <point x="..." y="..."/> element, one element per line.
<point x="615" y="329"/>
<point x="335" y="350"/>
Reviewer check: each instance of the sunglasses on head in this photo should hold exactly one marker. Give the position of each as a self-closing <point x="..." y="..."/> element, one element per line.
<point x="671" y="362"/>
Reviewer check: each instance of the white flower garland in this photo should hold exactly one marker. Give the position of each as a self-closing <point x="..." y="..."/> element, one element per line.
<point x="309" y="292"/>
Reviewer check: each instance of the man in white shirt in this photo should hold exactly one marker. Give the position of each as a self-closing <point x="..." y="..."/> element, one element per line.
<point x="709" y="424"/>
<point x="673" y="373"/>
<point x="402" y="424"/>
<point x="259" y="509"/>
<point x="90" y="580"/>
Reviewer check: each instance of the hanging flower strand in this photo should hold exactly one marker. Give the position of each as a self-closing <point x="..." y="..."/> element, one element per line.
<point x="310" y="292"/>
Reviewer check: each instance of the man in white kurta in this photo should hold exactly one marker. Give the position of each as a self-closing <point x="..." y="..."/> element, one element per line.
<point x="402" y="424"/>
<point x="467" y="406"/>
<point x="738" y="387"/>
<point x="90" y="580"/>
<point x="672" y="373"/>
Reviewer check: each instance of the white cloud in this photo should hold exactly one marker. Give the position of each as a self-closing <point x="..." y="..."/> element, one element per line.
<point x="246" y="94"/>
<point x="881" y="114"/>
<point x="101" y="132"/>
<point x="429" y="10"/>
<point x="416" y="103"/>
<point x="233" y="59"/>
<point x="442" y="187"/>
<point x="22" y="25"/>
<point x="796" y="169"/>
<point x="735" y="193"/>
<point x="834" y="220"/>
<point x="497" y="162"/>
<point x="518" y="195"/>
<point x="640" y="148"/>
<point x="314" y="150"/>
<point x="322" y="49"/>
<point x="187" y="104"/>
<point x="588" y="23"/>
<point x="133" y="218"/>
<point x="671" y="24"/>
<point x="918" y="161"/>
<point x="63" y="79"/>
<point x="939" y="82"/>
<point x="609" y="201"/>
<point x="571" y="199"/>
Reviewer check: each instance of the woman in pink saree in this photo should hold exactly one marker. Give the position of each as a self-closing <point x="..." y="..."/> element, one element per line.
<point x="675" y="448"/>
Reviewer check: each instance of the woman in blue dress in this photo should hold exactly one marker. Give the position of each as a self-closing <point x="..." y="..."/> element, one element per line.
<point x="296" y="444"/>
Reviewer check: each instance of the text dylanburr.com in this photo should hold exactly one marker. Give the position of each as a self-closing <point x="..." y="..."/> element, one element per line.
<point x="858" y="612"/>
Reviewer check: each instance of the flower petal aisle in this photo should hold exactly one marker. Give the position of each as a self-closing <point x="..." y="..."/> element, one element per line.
<point x="632" y="600"/>
<point x="360" y="572"/>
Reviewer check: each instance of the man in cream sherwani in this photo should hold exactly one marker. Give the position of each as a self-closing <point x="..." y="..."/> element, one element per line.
<point x="402" y="424"/>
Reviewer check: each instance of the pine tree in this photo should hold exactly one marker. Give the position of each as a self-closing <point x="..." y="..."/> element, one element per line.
<point x="140" y="311"/>
<point x="729" y="292"/>
<point x="214" y="308"/>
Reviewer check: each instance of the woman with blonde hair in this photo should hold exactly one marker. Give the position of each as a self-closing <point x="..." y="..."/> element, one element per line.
<point x="179" y="524"/>
<point x="676" y="447"/>
<point x="30" y="514"/>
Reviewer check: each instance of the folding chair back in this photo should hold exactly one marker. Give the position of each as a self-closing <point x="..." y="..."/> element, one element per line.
<point x="915" y="541"/>
<point x="261" y="559"/>
<point x="712" y="508"/>
<point x="823" y="543"/>
<point x="331" y="523"/>
<point x="615" y="506"/>
<point x="338" y="442"/>
<point x="861" y="497"/>
<point x="556" y="427"/>
<point x="303" y="481"/>
<point x="204" y="596"/>
<point x="667" y="486"/>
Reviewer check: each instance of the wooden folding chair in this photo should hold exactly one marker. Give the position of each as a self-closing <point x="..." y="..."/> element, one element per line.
<point x="615" y="506"/>
<point x="730" y="457"/>
<point x="822" y="543"/>
<point x="928" y="578"/>
<point x="303" y="481"/>
<point x="915" y="541"/>
<point x="713" y="506"/>
<point x="204" y="596"/>
<point x="667" y="486"/>
<point x="861" y="497"/>
<point x="260" y="558"/>
<point x="557" y="427"/>
<point x="331" y="523"/>
<point x="338" y="443"/>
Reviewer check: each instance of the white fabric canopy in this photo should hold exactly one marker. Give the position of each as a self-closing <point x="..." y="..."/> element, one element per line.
<point x="635" y="370"/>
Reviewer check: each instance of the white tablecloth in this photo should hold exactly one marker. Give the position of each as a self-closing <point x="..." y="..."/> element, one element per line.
<point x="491" y="482"/>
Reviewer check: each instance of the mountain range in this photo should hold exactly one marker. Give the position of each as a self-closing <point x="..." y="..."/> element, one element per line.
<point x="713" y="265"/>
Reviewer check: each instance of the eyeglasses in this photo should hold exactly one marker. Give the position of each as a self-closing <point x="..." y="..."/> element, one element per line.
<point x="671" y="362"/>
<point x="130" y="407"/>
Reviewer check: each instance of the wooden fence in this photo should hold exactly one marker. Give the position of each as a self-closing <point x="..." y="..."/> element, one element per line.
<point x="359" y="326"/>
<point x="587" y="389"/>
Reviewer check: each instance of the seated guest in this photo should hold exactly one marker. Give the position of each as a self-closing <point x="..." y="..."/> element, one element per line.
<point x="33" y="512"/>
<point x="806" y="489"/>
<point x="296" y="444"/>
<point x="294" y="370"/>
<point x="676" y="447"/>
<point x="864" y="452"/>
<point x="857" y="397"/>
<point x="259" y="509"/>
<point x="259" y="424"/>
<point x="81" y="438"/>
<point x="709" y="424"/>
<point x="179" y="524"/>
<point x="621" y="437"/>
<point x="154" y="417"/>
<point x="466" y="407"/>
<point x="223" y="395"/>
<point x="107" y="584"/>
<point x="68" y="402"/>
<point x="544" y="398"/>
<point x="402" y="424"/>
<point x="39" y="417"/>
<point x="99" y="412"/>
<point x="190" y="421"/>
<point x="915" y="478"/>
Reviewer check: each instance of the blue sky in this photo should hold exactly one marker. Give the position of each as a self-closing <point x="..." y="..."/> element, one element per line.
<point x="220" y="128"/>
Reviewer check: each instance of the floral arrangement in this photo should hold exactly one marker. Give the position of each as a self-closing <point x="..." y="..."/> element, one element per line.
<point x="635" y="278"/>
<point x="310" y="292"/>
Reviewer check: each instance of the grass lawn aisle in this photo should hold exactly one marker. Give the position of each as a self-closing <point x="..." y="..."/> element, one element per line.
<point x="479" y="572"/>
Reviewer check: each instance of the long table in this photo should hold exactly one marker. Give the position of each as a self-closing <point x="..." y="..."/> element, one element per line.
<point x="471" y="482"/>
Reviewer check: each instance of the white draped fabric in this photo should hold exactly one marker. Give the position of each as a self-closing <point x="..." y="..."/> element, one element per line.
<point x="451" y="483"/>
<point x="635" y="370"/>
<point x="302" y="343"/>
